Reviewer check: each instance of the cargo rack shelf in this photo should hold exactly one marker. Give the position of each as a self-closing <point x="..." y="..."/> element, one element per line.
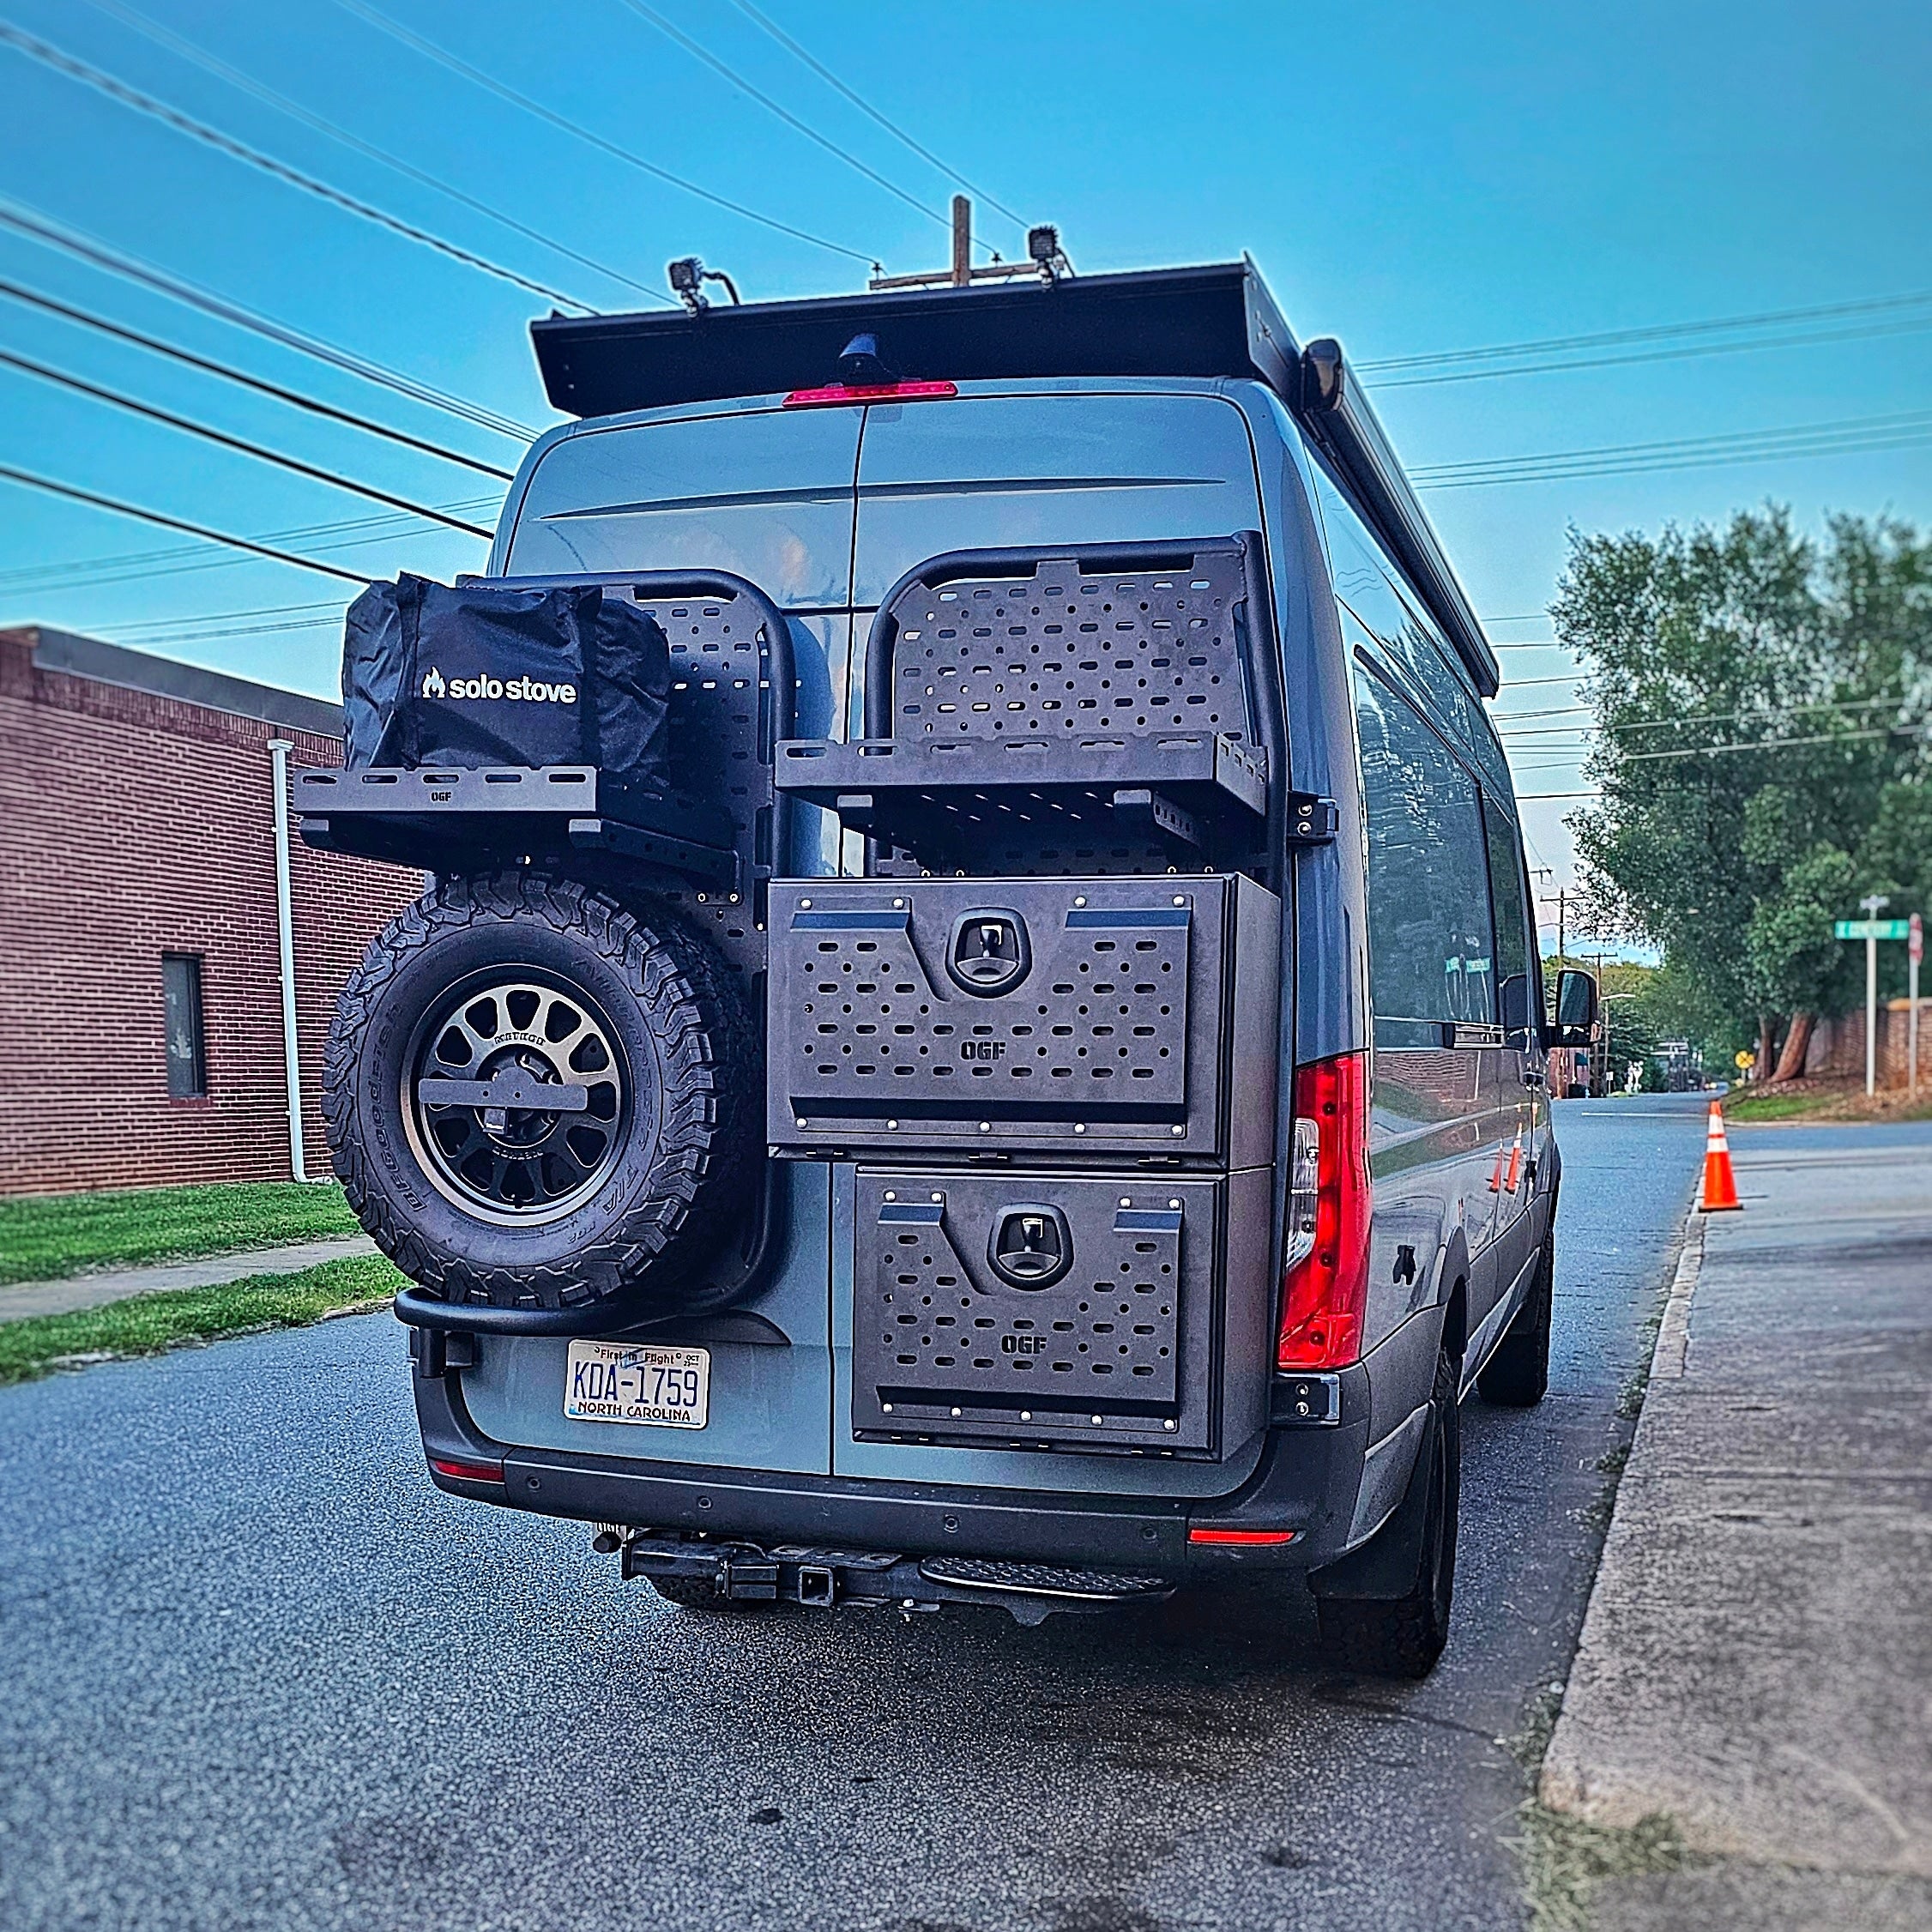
<point x="1058" y="694"/>
<point x="510" y="813"/>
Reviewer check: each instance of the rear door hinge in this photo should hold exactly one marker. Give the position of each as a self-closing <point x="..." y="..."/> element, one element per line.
<point x="1312" y="819"/>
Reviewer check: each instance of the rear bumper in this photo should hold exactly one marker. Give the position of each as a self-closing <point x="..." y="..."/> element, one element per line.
<point x="1307" y="1481"/>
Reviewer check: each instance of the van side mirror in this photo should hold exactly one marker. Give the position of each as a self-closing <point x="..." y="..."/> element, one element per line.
<point x="1576" y="1010"/>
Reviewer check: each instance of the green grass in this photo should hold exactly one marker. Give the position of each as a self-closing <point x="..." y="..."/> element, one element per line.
<point x="44" y="1237"/>
<point x="1776" y="1107"/>
<point x="145" y="1325"/>
<point x="1837" y="1101"/>
<point x="1565" y="1860"/>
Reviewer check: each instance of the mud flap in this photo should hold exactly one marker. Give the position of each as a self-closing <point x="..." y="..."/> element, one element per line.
<point x="1385" y="1566"/>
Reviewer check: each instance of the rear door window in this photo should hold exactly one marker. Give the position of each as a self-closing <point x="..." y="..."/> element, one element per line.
<point x="1008" y="472"/>
<point x="765" y="493"/>
<point x="1431" y="952"/>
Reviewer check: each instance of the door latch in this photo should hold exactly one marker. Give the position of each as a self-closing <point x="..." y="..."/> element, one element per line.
<point x="989" y="953"/>
<point x="1029" y="1247"/>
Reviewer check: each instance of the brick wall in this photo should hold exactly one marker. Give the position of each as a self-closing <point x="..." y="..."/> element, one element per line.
<point x="132" y="826"/>
<point x="1837" y="1045"/>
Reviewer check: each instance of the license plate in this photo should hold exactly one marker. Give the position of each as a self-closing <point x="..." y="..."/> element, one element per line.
<point x="625" y="1382"/>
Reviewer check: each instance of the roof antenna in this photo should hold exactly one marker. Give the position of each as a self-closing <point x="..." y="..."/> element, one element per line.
<point x="687" y="272"/>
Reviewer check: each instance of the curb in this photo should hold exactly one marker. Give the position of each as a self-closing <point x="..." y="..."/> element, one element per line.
<point x="1673" y="1334"/>
<point x="1561" y="1784"/>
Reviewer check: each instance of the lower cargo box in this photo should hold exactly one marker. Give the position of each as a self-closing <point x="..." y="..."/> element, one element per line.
<point x="1035" y="1311"/>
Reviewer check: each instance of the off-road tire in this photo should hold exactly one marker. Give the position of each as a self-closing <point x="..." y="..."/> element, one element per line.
<point x="1517" y="1374"/>
<point x="676" y="1193"/>
<point x="1403" y="1636"/>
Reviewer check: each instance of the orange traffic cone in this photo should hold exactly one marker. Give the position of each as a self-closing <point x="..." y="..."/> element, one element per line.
<point x="1720" y="1184"/>
<point x="1515" y="1174"/>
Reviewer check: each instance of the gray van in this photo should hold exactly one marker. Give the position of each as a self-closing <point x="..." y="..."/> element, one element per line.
<point x="1045" y="1104"/>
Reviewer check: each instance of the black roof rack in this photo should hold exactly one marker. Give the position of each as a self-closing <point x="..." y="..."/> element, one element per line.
<point x="1219" y="320"/>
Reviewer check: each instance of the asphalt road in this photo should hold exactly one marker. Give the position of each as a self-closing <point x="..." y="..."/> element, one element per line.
<point x="258" y="1673"/>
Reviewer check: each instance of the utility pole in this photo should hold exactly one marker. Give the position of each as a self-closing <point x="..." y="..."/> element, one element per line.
<point x="1915" y="950"/>
<point x="961" y="241"/>
<point x="1045" y="259"/>
<point x="1872" y="905"/>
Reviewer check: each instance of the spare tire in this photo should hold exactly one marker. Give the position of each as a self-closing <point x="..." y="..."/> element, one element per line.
<point x="538" y="1098"/>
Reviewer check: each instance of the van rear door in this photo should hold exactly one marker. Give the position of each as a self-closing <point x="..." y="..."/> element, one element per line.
<point x="996" y="472"/>
<point x="769" y="495"/>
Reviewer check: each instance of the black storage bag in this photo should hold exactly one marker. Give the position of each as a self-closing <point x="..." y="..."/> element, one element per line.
<point x="482" y="675"/>
<point x="375" y="675"/>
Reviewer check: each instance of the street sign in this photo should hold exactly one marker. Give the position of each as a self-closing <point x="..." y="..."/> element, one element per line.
<point x="1916" y="940"/>
<point x="1873" y="929"/>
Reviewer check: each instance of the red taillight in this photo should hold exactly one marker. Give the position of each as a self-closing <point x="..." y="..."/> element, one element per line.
<point x="870" y="392"/>
<point x="466" y="1472"/>
<point x="1325" y="1279"/>
<point x="1245" y="1539"/>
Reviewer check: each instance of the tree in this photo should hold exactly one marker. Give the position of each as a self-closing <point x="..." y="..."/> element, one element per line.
<point x="1760" y="703"/>
<point x="1795" y="960"/>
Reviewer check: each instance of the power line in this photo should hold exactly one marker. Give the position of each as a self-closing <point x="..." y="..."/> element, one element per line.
<point x="697" y="52"/>
<point x="1904" y="430"/>
<point x="118" y="400"/>
<point x="1748" y="745"/>
<point x="52" y="56"/>
<point x="259" y="90"/>
<point x="430" y="51"/>
<point x="39" y="226"/>
<point x="825" y="73"/>
<point x="196" y="633"/>
<point x="155" y="624"/>
<point x="1689" y="718"/>
<point x="27" y="480"/>
<point x="14" y="292"/>
<point x="181" y="559"/>
<point x="1868" y="332"/>
<point x="1896" y="422"/>
<point x="1552" y="345"/>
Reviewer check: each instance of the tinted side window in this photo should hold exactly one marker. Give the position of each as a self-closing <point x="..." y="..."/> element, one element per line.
<point x="1429" y="942"/>
<point x="1512" y="937"/>
<point x="1373" y="590"/>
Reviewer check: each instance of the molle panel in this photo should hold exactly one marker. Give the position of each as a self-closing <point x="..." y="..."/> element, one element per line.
<point x="719" y="728"/>
<point x="1029" y="1311"/>
<point x="1027" y="1014"/>
<point x="1020" y="700"/>
<point x="1068" y="649"/>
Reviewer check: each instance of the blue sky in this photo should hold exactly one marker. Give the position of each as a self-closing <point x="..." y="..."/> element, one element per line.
<point x="1413" y="179"/>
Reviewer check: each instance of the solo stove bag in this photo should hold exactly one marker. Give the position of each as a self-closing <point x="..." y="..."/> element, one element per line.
<point x="476" y="675"/>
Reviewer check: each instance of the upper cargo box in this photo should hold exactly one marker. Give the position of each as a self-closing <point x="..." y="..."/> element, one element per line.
<point x="1214" y="321"/>
<point x="1062" y="697"/>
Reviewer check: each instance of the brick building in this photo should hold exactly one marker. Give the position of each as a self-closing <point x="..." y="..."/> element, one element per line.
<point x="140" y="972"/>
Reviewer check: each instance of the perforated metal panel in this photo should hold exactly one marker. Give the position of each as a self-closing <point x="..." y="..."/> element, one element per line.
<point x="1063" y="651"/>
<point x="1113" y="1350"/>
<point x="1078" y="1013"/>
<point x="719" y="724"/>
<point x="1019" y="700"/>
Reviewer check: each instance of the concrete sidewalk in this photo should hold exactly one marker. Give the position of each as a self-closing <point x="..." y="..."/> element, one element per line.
<point x="1757" y="1659"/>
<point x="208" y="1271"/>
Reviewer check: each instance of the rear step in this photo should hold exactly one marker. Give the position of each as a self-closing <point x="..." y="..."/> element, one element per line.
<point x="873" y="1579"/>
